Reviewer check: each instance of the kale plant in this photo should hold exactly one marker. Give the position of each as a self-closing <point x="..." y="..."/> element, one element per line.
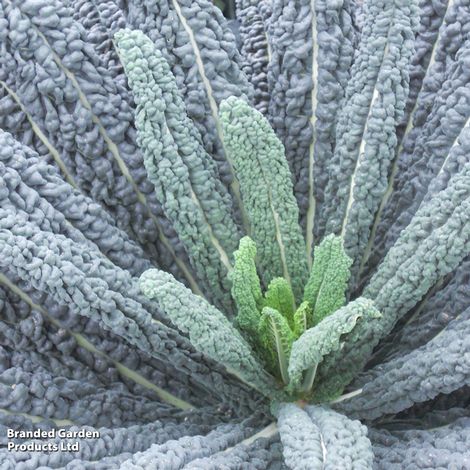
<point x="235" y="257"/>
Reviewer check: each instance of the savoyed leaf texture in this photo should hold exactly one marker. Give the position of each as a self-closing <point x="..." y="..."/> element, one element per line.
<point x="301" y="438"/>
<point x="268" y="199"/>
<point x="158" y="148"/>
<point x="246" y="289"/>
<point x="83" y="116"/>
<point x="208" y="329"/>
<point x="443" y="447"/>
<point x="327" y="338"/>
<point x="328" y="281"/>
<point x="319" y="438"/>
<point x="280" y="297"/>
<point x="276" y="337"/>
<point x="417" y="376"/>
<point x="184" y="175"/>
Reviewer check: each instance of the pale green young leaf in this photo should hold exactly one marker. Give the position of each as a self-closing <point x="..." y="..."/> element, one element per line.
<point x="325" y="338"/>
<point x="276" y="338"/>
<point x="301" y="318"/>
<point x="280" y="297"/>
<point x="328" y="281"/>
<point x="246" y="289"/>
<point x="267" y="192"/>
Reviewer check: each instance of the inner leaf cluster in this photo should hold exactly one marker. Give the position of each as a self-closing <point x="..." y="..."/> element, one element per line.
<point x="273" y="320"/>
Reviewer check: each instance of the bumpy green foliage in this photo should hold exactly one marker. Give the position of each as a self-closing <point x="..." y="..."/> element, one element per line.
<point x="302" y="317"/>
<point x="318" y="438"/>
<point x="300" y="437"/>
<point x="340" y="366"/>
<point x="268" y="198"/>
<point x="272" y="323"/>
<point x="328" y="281"/>
<point x="276" y="338"/>
<point x="280" y="297"/>
<point x="209" y="329"/>
<point x="345" y="442"/>
<point x="317" y="342"/>
<point x="246" y="289"/>
<point x="184" y="175"/>
<point x="370" y="101"/>
<point x="367" y="121"/>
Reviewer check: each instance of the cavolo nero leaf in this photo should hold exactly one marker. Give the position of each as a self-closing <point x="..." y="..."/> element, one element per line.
<point x="169" y="140"/>
<point x="325" y="289"/>
<point x="267" y="192"/>
<point x="301" y="438"/>
<point x="209" y="330"/>
<point x="301" y="318"/>
<point x="246" y="289"/>
<point x="280" y="297"/>
<point x="276" y="338"/>
<point x="318" y="438"/>
<point x="309" y="350"/>
<point x="344" y="440"/>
